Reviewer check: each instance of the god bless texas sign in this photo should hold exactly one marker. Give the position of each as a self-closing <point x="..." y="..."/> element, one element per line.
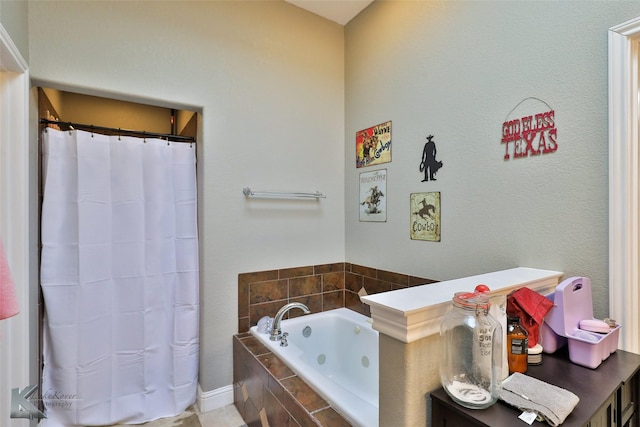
<point x="530" y="134"/>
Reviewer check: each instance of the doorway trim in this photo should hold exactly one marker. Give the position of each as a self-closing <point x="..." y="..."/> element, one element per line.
<point x="624" y="159"/>
<point x="17" y="349"/>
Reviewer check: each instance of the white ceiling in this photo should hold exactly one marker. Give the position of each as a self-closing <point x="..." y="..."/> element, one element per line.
<point x="340" y="11"/>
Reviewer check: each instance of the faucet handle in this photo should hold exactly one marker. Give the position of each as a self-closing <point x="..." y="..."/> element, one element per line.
<point x="283" y="340"/>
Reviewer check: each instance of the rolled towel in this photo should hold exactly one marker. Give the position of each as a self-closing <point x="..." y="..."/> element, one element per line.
<point x="8" y="301"/>
<point x="551" y="403"/>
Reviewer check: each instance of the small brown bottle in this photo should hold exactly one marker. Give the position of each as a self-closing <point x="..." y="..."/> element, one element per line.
<point x="517" y="346"/>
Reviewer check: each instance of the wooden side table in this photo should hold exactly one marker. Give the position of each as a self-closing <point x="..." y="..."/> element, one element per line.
<point x="608" y="395"/>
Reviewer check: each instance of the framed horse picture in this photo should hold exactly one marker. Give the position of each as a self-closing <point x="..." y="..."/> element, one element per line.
<point x="425" y="216"/>
<point x="373" y="196"/>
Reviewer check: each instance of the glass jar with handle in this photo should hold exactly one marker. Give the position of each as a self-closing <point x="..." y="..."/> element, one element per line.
<point x="471" y="355"/>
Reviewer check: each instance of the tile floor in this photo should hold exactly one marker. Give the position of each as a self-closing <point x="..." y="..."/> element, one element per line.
<point x="227" y="416"/>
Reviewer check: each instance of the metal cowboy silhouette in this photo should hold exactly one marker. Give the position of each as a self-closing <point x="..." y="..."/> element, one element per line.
<point x="429" y="164"/>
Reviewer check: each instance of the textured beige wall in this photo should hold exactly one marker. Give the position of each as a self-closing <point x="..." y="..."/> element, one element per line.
<point x="407" y="373"/>
<point x="14" y="19"/>
<point x="455" y="70"/>
<point x="268" y="78"/>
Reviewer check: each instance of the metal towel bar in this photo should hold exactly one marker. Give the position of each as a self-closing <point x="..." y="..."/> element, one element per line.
<point x="281" y="194"/>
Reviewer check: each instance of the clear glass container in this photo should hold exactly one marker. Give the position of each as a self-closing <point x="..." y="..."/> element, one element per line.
<point x="472" y="351"/>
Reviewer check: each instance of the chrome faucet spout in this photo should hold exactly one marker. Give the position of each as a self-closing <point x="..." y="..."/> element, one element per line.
<point x="276" y="331"/>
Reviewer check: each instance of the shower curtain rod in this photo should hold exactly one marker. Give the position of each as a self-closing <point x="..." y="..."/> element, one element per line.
<point x="118" y="131"/>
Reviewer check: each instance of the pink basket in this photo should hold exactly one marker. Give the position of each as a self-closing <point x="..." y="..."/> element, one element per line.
<point x="573" y="303"/>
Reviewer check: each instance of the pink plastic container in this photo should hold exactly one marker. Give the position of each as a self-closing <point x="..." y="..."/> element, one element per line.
<point x="573" y="303"/>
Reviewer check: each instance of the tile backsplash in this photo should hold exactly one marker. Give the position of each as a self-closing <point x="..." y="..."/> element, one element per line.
<point x="319" y="287"/>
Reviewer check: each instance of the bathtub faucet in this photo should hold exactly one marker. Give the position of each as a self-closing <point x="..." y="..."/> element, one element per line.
<point x="276" y="331"/>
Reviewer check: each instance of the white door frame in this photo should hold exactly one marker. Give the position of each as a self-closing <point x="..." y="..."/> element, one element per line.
<point x="16" y="341"/>
<point x="624" y="159"/>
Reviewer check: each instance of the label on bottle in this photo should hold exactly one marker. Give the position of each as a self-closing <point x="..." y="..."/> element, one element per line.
<point x="519" y="346"/>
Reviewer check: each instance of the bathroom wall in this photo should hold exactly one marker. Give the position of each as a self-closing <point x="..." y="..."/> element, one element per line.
<point x="319" y="287"/>
<point x="268" y="78"/>
<point x="283" y="92"/>
<point x="14" y="19"/>
<point x="455" y="70"/>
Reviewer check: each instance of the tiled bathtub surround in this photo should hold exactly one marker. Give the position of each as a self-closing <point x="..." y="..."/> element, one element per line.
<point x="319" y="287"/>
<point x="268" y="393"/>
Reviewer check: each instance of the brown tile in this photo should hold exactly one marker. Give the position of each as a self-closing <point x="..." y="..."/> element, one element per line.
<point x="294" y="423"/>
<point x="332" y="281"/>
<point x="238" y="400"/>
<point x="276" y="414"/>
<point x="300" y="415"/>
<point x="353" y="282"/>
<point x="258" y="311"/>
<point x="396" y="278"/>
<point x="374" y="286"/>
<point x="395" y="286"/>
<point x="238" y="346"/>
<point x="416" y="281"/>
<point x="332" y="300"/>
<point x="238" y="365"/>
<point x="244" y="281"/>
<point x="328" y="268"/>
<point x="276" y="388"/>
<point x="272" y="290"/>
<point x="328" y="417"/>
<point x="243" y="324"/>
<point x="255" y="389"/>
<point x="275" y="366"/>
<point x="352" y="302"/>
<point x="251" y="416"/>
<point x="264" y="420"/>
<point x="243" y="298"/>
<point x="313" y="303"/>
<point x="364" y="271"/>
<point x="258" y="276"/>
<point x="308" y="285"/>
<point x="304" y="394"/>
<point x="258" y="371"/>
<point x="240" y="369"/>
<point x="287" y="273"/>
<point x="254" y="346"/>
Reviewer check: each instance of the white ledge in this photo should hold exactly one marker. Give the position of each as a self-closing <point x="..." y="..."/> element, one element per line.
<point x="414" y="313"/>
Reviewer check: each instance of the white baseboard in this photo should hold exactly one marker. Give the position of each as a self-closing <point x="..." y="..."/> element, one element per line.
<point x="214" y="399"/>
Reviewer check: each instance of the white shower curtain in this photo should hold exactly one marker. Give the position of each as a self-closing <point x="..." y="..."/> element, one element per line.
<point x="119" y="276"/>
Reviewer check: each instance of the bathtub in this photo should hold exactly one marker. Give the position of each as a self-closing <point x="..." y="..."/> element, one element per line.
<point x="336" y="353"/>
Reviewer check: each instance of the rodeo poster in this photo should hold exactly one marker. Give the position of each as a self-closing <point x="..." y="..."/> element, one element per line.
<point x="373" y="145"/>
<point x="425" y="216"/>
<point x="373" y="196"/>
